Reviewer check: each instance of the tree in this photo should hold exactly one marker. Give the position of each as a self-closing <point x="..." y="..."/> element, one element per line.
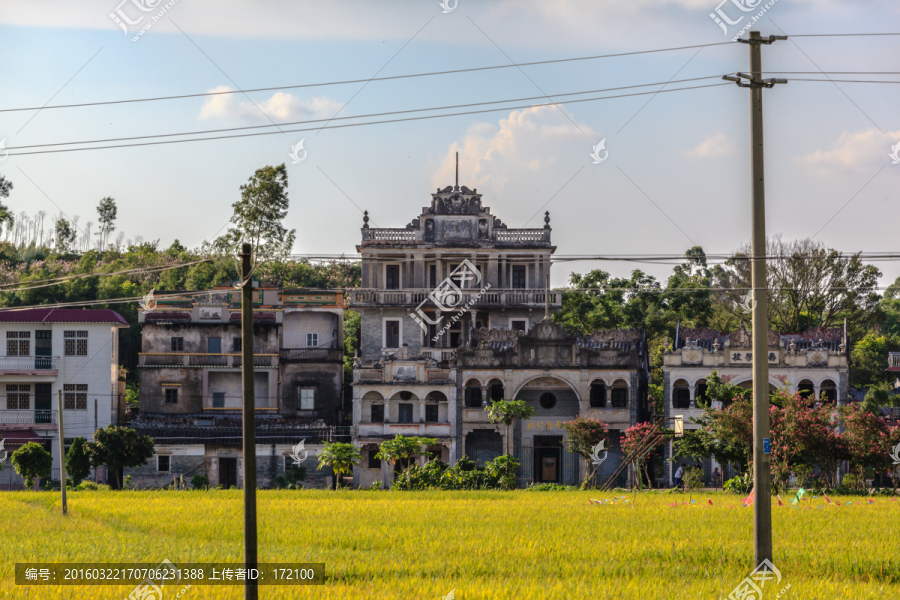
<point x="582" y="435"/>
<point x="403" y="449"/>
<point x="867" y="440"/>
<point x="726" y="434"/>
<point x="118" y="448"/>
<point x="506" y="412"/>
<point x="869" y="360"/>
<point x="6" y="217"/>
<point x="107" y="212"/>
<point x="30" y="461"/>
<point x="632" y="441"/>
<point x="258" y="214"/>
<point x="65" y="236"/>
<point x="78" y="463"/>
<point x="340" y="457"/>
<point x="813" y="286"/>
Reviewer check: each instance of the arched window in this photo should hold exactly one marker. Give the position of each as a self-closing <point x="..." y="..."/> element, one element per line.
<point x="496" y="391"/>
<point x="598" y="394"/>
<point x="828" y="391"/>
<point x="807" y="389"/>
<point x="700" y="393"/>
<point x="681" y="395"/>
<point x="620" y="394"/>
<point x="473" y="394"/>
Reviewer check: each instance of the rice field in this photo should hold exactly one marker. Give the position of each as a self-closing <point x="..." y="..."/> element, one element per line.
<point x="421" y="545"/>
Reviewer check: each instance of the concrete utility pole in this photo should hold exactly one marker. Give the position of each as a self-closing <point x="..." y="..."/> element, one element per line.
<point x="251" y="591"/>
<point x="62" y="451"/>
<point x="762" y="468"/>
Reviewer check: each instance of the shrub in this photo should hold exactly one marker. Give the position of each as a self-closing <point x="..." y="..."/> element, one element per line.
<point x="279" y="482"/>
<point x="78" y="463"/>
<point x="739" y="484"/>
<point x="30" y="461"/>
<point x="91" y="486"/>
<point x="199" y="482"/>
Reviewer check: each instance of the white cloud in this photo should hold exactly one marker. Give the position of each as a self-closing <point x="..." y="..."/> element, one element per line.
<point x="714" y="145"/>
<point x="857" y="151"/>
<point x="527" y="144"/>
<point x="281" y="107"/>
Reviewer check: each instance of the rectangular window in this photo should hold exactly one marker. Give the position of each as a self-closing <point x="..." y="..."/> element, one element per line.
<point x="620" y="397"/>
<point x="163" y="463"/>
<point x="75" y="343"/>
<point x="18" y="396"/>
<point x="431" y="413"/>
<point x="307" y="399"/>
<point x="378" y="413"/>
<point x="218" y="399"/>
<point x="171" y="395"/>
<point x="177" y="344"/>
<point x="236" y="345"/>
<point x="288" y="462"/>
<point x="432" y="276"/>
<point x="406" y="413"/>
<point x="392" y="334"/>
<point x="214" y="345"/>
<point x="519" y="326"/>
<point x="18" y="343"/>
<point x="75" y="396"/>
<point x="518" y="276"/>
<point x="392" y="277"/>
<point x="312" y="340"/>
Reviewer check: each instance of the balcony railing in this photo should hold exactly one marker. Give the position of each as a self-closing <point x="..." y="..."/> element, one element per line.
<point x="28" y="363"/>
<point x="894" y="360"/>
<point x="312" y="354"/>
<point x="493" y="297"/>
<point x="27" y="417"/>
<point x="190" y="359"/>
<point x="528" y="237"/>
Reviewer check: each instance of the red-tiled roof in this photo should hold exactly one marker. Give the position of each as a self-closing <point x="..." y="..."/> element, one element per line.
<point x="61" y="315"/>
<point x="17" y="437"/>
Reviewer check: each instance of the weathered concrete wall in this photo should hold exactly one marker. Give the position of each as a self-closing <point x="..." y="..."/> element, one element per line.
<point x="325" y="379"/>
<point x="152" y="397"/>
<point x="204" y="460"/>
<point x="298" y="324"/>
<point x="158" y="338"/>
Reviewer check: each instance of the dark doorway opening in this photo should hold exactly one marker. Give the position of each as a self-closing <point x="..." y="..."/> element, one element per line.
<point x="547" y="455"/>
<point x="228" y="472"/>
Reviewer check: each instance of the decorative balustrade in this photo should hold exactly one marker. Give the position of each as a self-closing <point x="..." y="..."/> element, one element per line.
<point x="493" y="297"/>
<point x="894" y="360"/>
<point x="27" y="417"/>
<point x="389" y="235"/>
<point x="522" y="236"/>
<point x="193" y="359"/>
<point x="312" y="354"/>
<point x="28" y="363"/>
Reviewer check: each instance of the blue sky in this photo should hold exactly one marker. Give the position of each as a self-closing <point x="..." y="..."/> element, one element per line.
<point x="687" y="151"/>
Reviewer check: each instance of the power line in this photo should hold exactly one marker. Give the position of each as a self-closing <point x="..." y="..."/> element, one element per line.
<point x="349" y="81"/>
<point x="841" y="34"/>
<point x="474" y="112"/>
<point x="396" y="112"/>
<point x="58" y="280"/>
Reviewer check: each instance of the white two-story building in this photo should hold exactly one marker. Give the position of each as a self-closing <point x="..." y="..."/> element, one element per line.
<point x="52" y="350"/>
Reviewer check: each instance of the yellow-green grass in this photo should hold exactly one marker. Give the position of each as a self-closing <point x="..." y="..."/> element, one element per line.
<point x="521" y="545"/>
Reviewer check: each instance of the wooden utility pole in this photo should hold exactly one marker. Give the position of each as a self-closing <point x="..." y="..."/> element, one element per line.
<point x="251" y="591"/>
<point x="762" y="467"/>
<point x="62" y="451"/>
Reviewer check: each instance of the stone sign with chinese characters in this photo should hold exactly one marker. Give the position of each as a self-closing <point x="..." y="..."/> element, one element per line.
<point x="743" y="357"/>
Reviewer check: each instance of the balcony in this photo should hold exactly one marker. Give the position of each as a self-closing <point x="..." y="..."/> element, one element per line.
<point x="27" y="417"/>
<point x="202" y="360"/>
<point x="493" y="297"/>
<point x="311" y="355"/>
<point x="894" y="361"/>
<point x="414" y="429"/>
<point x="28" y="365"/>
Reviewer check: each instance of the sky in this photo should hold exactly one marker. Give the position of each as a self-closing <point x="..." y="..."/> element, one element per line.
<point x="677" y="172"/>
